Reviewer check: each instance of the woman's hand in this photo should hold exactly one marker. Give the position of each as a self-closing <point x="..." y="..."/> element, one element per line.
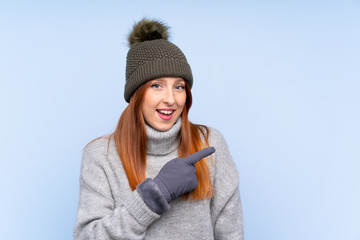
<point x="178" y="175"/>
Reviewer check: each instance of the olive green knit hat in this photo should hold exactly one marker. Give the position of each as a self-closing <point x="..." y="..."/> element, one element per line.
<point x="152" y="56"/>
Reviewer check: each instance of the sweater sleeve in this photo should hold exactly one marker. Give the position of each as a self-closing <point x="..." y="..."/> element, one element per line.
<point x="97" y="216"/>
<point x="226" y="204"/>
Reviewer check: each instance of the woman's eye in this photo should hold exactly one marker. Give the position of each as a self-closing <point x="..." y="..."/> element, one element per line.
<point x="180" y="87"/>
<point x="155" y="85"/>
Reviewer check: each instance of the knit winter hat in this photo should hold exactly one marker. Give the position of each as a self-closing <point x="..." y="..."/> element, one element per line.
<point x="152" y="56"/>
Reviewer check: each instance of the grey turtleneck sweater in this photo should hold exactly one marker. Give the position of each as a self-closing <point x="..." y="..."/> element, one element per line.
<point x="108" y="209"/>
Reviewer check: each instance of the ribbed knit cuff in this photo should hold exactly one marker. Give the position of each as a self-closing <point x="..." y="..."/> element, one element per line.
<point x="153" y="197"/>
<point x="139" y="210"/>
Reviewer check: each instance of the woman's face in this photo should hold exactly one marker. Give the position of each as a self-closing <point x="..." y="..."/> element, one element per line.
<point x="163" y="102"/>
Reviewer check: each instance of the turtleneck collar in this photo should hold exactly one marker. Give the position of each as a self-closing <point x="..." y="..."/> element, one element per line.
<point x="162" y="143"/>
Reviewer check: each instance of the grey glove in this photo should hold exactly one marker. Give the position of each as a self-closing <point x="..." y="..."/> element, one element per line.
<point x="178" y="175"/>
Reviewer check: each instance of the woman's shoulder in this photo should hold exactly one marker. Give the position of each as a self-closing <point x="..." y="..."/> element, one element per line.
<point x="96" y="167"/>
<point x="223" y="158"/>
<point x="214" y="135"/>
<point x="96" y="144"/>
<point x="97" y="149"/>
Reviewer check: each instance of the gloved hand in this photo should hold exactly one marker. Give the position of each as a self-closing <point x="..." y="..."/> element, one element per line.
<point x="178" y="175"/>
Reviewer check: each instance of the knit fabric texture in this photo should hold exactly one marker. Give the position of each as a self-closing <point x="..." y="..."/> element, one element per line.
<point x="109" y="209"/>
<point x="153" y="59"/>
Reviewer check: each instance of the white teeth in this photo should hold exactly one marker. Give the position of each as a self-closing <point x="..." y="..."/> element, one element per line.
<point x="165" y="112"/>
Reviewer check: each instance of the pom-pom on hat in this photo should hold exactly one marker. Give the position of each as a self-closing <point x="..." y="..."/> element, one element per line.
<point x="152" y="56"/>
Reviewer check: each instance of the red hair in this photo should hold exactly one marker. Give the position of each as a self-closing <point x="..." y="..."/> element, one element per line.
<point x="130" y="139"/>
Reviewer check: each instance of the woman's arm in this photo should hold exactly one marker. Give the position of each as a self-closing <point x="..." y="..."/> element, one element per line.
<point x="97" y="216"/>
<point x="229" y="223"/>
<point x="226" y="204"/>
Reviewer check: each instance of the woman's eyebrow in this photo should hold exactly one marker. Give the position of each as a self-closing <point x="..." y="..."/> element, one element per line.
<point x="180" y="80"/>
<point x="157" y="80"/>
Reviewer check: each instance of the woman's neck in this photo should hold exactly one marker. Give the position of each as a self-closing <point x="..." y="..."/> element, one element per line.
<point x="162" y="143"/>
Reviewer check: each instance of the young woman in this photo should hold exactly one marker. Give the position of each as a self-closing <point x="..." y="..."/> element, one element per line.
<point x="156" y="176"/>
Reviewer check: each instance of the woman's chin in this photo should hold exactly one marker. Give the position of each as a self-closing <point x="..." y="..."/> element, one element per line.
<point x="163" y="126"/>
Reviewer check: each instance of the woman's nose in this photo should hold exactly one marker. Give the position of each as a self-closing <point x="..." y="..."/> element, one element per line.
<point x="169" y="97"/>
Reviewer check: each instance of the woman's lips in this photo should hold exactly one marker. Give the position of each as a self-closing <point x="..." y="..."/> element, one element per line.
<point x="165" y="117"/>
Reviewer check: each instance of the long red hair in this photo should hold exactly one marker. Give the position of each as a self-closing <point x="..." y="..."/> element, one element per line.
<point x="130" y="139"/>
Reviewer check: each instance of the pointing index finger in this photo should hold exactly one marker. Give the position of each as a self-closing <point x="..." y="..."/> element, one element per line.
<point x="195" y="157"/>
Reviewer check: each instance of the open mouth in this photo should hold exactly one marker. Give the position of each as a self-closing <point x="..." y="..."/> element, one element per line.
<point x="165" y="112"/>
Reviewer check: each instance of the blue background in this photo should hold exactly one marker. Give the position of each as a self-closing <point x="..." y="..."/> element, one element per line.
<point x="279" y="79"/>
